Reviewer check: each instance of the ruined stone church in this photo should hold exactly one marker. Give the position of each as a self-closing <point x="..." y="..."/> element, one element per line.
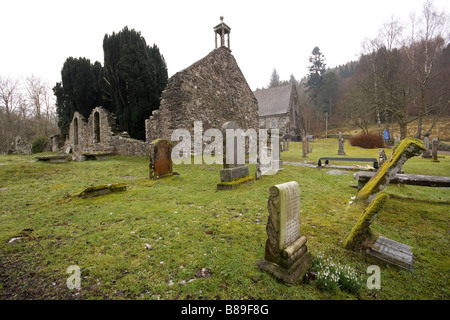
<point x="212" y="90"/>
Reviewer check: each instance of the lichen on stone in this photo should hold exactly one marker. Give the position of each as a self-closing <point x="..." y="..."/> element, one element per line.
<point x="406" y="149"/>
<point x="361" y="231"/>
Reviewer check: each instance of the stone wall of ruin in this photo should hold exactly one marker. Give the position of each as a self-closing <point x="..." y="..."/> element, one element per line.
<point x="212" y="90"/>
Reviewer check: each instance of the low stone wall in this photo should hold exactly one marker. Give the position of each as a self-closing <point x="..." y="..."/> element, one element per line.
<point x="129" y="147"/>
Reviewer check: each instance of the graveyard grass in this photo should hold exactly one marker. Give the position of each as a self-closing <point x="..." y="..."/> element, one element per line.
<point x="152" y="240"/>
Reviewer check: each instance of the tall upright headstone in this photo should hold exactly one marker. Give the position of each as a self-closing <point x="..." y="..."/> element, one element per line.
<point x="286" y="256"/>
<point x="160" y="159"/>
<point x="341" y="151"/>
<point x="382" y="157"/>
<point x="434" y="149"/>
<point x="426" y="143"/>
<point x="233" y="173"/>
<point x="272" y="163"/>
<point x="305" y="147"/>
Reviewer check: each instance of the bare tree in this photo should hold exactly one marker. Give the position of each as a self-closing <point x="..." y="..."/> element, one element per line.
<point x="40" y="100"/>
<point x="422" y="49"/>
<point x="11" y="101"/>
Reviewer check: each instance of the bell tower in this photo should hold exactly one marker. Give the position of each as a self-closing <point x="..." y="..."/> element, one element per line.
<point x="221" y="30"/>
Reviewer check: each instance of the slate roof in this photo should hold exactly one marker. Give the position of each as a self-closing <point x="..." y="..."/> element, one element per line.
<point x="273" y="101"/>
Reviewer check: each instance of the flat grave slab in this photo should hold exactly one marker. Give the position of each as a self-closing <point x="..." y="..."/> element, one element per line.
<point x="97" y="155"/>
<point x="392" y="252"/>
<point x="52" y="158"/>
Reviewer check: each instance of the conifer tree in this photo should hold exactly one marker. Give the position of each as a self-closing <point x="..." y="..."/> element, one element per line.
<point x="135" y="75"/>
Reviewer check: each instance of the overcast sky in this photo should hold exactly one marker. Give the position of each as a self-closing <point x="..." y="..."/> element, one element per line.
<point x="37" y="36"/>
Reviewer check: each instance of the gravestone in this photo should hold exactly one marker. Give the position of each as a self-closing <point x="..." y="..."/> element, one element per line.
<point x="360" y="232"/>
<point x="286" y="256"/>
<point x="434" y="151"/>
<point x="392" y="252"/>
<point x="160" y="159"/>
<point x="233" y="174"/>
<point x="305" y="147"/>
<point x="382" y="157"/>
<point x="426" y="143"/>
<point x="341" y="151"/>
<point x="408" y="148"/>
<point x="52" y="158"/>
<point x="95" y="191"/>
<point x="271" y="164"/>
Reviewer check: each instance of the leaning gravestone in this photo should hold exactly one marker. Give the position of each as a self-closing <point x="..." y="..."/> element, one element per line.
<point x="286" y="256"/>
<point x="407" y="148"/>
<point x="341" y="151"/>
<point x="233" y="174"/>
<point x="160" y="159"/>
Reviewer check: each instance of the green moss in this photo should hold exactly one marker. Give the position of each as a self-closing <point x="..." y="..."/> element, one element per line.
<point x="233" y="184"/>
<point x="361" y="230"/>
<point x="91" y="191"/>
<point x="379" y="179"/>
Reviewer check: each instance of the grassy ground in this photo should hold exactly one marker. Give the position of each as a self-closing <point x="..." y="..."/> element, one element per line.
<point x="152" y="241"/>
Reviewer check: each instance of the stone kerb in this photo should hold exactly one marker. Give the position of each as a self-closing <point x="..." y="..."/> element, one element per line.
<point x="160" y="159"/>
<point x="286" y="256"/>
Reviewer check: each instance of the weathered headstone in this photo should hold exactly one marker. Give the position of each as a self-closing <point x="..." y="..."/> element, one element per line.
<point x="361" y="231"/>
<point x="101" y="190"/>
<point x="341" y="151"/>
<point x="305" y="147"/>
<point x="392" y="252"/>
<point x="434" y="151"/>
<point x="286" y="256"/>
<point x="160" y="159"/>
<point x="426" y="143"/>
<point x="52" y="158"/>
<point x="233" y="173"/>
<point x="271" y="164"/>
<point x="408" y="148"/>
<point x="382" y="157"/>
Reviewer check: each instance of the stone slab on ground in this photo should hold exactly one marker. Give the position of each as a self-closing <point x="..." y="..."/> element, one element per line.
<point x="96" y="191"/>
<point x="52" y="158"/>
<point x="392" y="252"/>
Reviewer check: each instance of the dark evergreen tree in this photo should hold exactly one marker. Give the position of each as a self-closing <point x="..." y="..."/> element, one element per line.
<point x="80" y="90"/>
<point x="274" y="79"/>
<point x="135" y="75"/>
<point x="316" y="74"/>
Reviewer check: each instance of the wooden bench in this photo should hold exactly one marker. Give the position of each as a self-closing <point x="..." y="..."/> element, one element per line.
<point x="412" y="179"/>
<point x="371" y="160"/>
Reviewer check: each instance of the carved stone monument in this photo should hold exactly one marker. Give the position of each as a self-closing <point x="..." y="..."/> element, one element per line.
<point x="426" y="143"/>
<point x="268" y="154"/>
<point x="305" y="147"/>
<point x="233" y="173"/>
<point x="382" y="157"/>
<point x="286" y="256"/>
<point x="434" y="149"/>
<point x="160" y="159"/>
<point x="341" y="151"/>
